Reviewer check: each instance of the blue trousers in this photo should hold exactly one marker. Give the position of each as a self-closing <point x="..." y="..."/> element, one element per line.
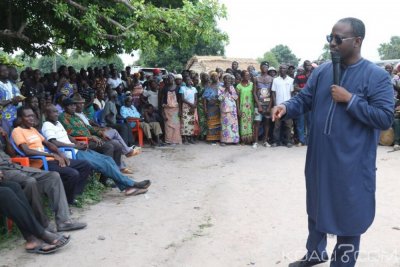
<point x="107" y="167"/>
<point x="344" y="254"/>
<point x="300" y="129"/>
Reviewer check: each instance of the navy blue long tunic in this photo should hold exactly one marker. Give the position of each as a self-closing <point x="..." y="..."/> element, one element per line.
<point x="341" y="156"/>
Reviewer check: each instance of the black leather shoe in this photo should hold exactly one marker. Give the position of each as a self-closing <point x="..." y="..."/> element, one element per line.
<point x="142" y="185"/>
<point x="307" y="263"/>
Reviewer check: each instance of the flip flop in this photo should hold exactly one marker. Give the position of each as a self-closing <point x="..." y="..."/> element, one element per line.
<point x="62" y="241"/>
<point x="136" y="192"/>
<point x="41" y="249"/>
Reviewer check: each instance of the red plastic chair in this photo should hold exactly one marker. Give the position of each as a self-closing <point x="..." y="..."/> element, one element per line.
<point x="137" y="130"/>
<point x="82" y="139"/>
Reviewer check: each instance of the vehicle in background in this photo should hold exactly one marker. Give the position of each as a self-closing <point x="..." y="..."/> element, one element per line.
<point x="147" y="71"/>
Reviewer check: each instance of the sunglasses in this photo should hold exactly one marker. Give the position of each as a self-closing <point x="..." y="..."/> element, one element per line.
<point x="338" y="40"/>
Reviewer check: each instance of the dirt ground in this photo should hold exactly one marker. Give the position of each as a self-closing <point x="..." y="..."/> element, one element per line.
<point x="216" y="206"/>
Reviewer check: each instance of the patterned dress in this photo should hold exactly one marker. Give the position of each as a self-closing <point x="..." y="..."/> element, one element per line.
<point x="172" y="123"/>
<point x="229" y="119"/>
<point x="247" y="109"/>
<point x="188" y="115"/>
<point x="8" y="113"/>
<point x="200" y="111"/>
<point x="213" y="114"/>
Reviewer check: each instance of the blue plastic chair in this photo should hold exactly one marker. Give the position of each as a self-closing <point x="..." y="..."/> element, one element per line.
<point x="98" y="117"/>
<point x="64" y="149"/>
<point x="22" y="154"/>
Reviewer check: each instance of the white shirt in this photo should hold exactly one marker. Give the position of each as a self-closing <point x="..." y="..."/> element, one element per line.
<point x="83" y="117"/>
<point x="114" y="83"/>
<point x="282" y="88"/>
<point x="7" y="87"/>
<point x="189" y="93"/>
<point x="58" y="132"/>
<point x="99" y="103"/>
<point x="152" y="97"/>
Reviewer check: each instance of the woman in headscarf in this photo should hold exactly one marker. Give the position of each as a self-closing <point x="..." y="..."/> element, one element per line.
<point x="211" y="108"/>
<point x="171" y="112"/>
<point x="229" y="117"/>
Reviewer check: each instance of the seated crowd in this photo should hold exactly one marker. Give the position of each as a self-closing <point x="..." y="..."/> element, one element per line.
<point x="49" y="116"/>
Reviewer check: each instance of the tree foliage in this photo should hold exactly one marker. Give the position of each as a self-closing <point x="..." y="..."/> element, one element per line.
<point x="105" y="27"/>
<point x="390" y="50"/>
<point x="100" y="62"/>
<point x="326" y="54"/>
<point x="175" y="58"/>
<point x="283" y="54"/>
<point x="46" y="63"/>
<point x="271" y="58"/>
<point x="9" y="61"/>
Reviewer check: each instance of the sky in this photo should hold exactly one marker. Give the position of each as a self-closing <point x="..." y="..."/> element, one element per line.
<point x="256" y="26"/>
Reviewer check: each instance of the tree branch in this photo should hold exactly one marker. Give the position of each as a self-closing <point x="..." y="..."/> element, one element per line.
<point x="14" y="35"/>
<point x="22" y="28"/>
<point x="125" y="3"/>
<point x="82" y="8"/>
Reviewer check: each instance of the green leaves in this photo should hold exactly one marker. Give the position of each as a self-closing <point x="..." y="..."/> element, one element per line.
<point x="390" y="50"/>
<point x="106" y="27"/>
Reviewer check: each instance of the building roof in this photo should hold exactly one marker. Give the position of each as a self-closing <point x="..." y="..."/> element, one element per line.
<point x="210" y="63"/>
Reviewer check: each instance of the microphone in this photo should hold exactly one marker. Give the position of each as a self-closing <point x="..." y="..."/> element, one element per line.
<point x="336" y="67"/>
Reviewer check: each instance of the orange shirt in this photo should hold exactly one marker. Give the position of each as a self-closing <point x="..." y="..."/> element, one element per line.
<point x="33" y="139"/>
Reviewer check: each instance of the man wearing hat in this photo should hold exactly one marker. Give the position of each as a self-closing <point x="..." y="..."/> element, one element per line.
<point x="55" y="133"/>
<point x="98" y="139"/>
<point x="111" y="133"/>
<point x="272" y="72"/>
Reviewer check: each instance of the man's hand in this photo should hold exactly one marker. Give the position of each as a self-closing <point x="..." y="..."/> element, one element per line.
<point x="1" y="176"/>
<point x="98" y="141"/>
<point x="278" y="112"/>
<point x="81" y="146"/>
<point x="340" y="94"/>
<point x="61" y="161"/>
<point x="67" y="161"/>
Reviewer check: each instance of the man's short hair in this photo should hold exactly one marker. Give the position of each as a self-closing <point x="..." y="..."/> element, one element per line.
<point x="357" y="26"/>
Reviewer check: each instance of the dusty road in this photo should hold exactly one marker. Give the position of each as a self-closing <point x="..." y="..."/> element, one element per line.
<point x="217" y="206"/>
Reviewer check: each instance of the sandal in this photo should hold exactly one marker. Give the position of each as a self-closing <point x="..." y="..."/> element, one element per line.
<point x="62" y="241"/>
<point x="132" y="191"/>
<point x="43" y="249"/>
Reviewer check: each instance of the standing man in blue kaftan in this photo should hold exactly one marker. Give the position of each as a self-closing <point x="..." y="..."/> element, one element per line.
<point x="341" y="156"/>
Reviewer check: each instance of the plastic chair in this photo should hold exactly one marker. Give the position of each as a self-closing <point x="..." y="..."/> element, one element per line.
<point x="22" y="154"/>
<point x="137" y="130"/>
<point x="82" y="139"/>
<point x="98" y="118"/>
